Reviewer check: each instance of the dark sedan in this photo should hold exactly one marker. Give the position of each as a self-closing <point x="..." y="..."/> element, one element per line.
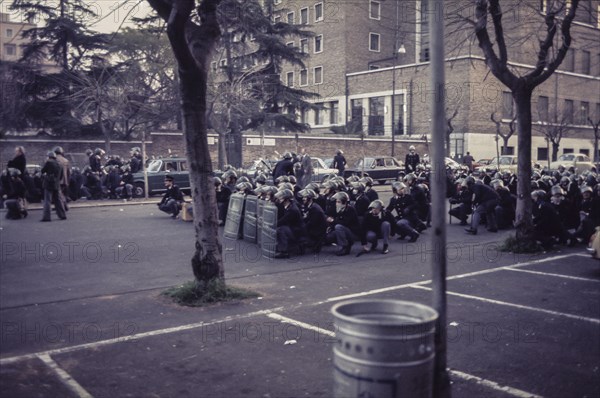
<point x="380" y="168"/>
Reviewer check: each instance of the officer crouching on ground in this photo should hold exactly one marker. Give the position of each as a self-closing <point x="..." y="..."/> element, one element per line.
<point x="344" y="228"/>
<point x="315" y="222"/>
<point x="405" y="206"/>
<point x="172" y="199"/>
<point x="289" y="223"/>
<point x="377" y="224"/>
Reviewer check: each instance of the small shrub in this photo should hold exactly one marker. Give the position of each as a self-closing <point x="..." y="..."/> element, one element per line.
<point x="514" y="245"/>
<point x="216" y="291"/>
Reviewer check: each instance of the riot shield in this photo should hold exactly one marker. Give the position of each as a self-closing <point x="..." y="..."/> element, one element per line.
<point x="234" y="216"/>
<point x="259" y="220"/>
<point x="269" y="231"/>
<point x="250" y="218"/>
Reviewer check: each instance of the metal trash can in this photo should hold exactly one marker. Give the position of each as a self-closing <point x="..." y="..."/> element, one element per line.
<point x="385" y="348"/>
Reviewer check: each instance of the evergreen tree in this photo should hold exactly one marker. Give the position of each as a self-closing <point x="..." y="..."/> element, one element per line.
<point x="249" y="93"/>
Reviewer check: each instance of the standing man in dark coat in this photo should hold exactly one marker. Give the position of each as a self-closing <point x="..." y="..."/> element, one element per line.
<point x="52" y="175"/>
<point x="412" y="160"/>
<point x="18" y="162"/>
<point x="307" y="169"/>
<point x="339" y="162"/>
<point x="66" y="175"/>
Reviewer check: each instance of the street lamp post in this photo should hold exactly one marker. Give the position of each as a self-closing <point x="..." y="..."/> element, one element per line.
<point x="397" y="50"/>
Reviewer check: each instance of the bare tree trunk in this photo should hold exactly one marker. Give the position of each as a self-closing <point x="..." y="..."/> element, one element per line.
<point x="555" y="146"/>
<point x="522" y="98"/>
<point x="192" y="46"/>
<point x="105" y="133"/>
<point x="222" y="151"/>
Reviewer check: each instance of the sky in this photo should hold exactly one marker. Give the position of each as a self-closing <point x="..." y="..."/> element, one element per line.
<point x="111" y="14"/>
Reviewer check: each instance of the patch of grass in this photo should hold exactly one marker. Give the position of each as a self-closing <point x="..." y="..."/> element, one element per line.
<point x="215" y="291"/>
<point x="514" y="245"/>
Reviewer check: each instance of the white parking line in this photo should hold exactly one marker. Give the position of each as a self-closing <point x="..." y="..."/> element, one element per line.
<point x="64" y="350"/>
<point x="515" y="392"/>
<point x="284" y="319"/>
<point x="64" y="377"/>
<point x="493" y="385"/>
<point x="453" y="277"/>
<point x="575" y="278"/>
<point x="523" y="307"/>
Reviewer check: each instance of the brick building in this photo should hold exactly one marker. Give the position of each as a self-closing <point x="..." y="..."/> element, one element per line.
<point x="369" y="61"/>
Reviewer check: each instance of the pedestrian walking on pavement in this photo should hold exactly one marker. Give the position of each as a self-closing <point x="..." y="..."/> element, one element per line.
<point x="339" y="162"/>
<point x="52" y="175"/>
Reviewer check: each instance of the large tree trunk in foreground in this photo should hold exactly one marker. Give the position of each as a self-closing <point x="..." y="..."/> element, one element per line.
<point x="193" y="46"/>
<point x="524" y="224"/>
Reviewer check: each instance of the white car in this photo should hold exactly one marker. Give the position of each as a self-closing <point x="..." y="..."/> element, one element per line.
<point x="320" y="170"/>
<point x="580" y="161"/>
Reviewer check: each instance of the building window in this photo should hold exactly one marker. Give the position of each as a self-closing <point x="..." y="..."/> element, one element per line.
<point x="318" y="44"/>
<point x="318" y="12"/>
<point x="304" y="16"/>
<point x="374" y="10"/>
<point x="303" y="116"/>
<point x="584" y="113"/>
<point x="568" y="150"/>
<point x="357" y="114"/>
<point x="398" y="125"/>
<point x="376" y="115"/>
<point x="304" y="77"/>
<point x="290" y="79"/>
<point x="423" y="32"/>
<point x="568" y="111"/>
<point x="585" y="151"/>
<point x="507" y="106"/>
<point x="569" y="61"/>
<point x="318" y="75"/>
<point x="277" y="18"/>
<point x="290" y="18"/>
<point x="213" y="66"/>
<point x="374" y="42"/>
<point x="290" y="44"/>
<point x="304" y="46"/>
<point x="10" y="49"/>
<point x="542" y="106"/>
<point x="334" y="112"/>
<point x="585" y="62"/>
<point x="542" y="153"/>
<point x="373" y="67"/>
<point x="319" y="114"/>
<point x="277" y="2"/>
<point x="510" y="150"/>
<point x="9" y="32"/>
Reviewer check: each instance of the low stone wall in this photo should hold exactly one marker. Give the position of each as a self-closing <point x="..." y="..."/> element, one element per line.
<point x="162" y="144"/>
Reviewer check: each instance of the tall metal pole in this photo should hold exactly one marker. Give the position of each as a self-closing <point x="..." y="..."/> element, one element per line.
<point x="144" y="169"/>
<point x="394" y="83"/>
<point x="435" y="9"/>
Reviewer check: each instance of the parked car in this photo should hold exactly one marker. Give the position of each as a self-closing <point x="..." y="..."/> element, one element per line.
<point x="506" y="163"/>
<point x="580" y="161"/>
<point x="380" y="168"/>
<point x="454" y="165"/>
<point x="321" y="169"/>
<point x="264" y="166"/>
<point x="157" y="170"/>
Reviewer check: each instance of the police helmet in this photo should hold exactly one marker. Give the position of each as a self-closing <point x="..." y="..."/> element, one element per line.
<point x="368" y="181"/>
<point x="51" y="154"/>
<point x="410" y="177"/>
<point x="314" y="186"/>
<point x="308" y="193"/>
<point x="342" y="197"/>
<point x="377" y="204"/>
<point x="261" y="179"/>
<point x="287" y="155"/>
<point x="538" y="194"/>
<point x="217" y="181"/>
<point x="285" y="194"/>
<point x="282" y="179"/>
<point x="285" y="185"/>
<point x="58" y="150"/>
<point x="497" y="183"/>
<point x="14" y="172"/>
<point x="586" y="188"/>
<point x="243" y="179"/>
<point x="557" y="190"/>
<point x="293" y="180"/>
<point x="359" y="186"/>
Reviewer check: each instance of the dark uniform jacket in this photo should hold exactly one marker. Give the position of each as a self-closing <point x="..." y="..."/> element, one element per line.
<point x="373" y="223"/>
<point x="314" y="220"/>
<point x="464" y="196"/>
<point x="372" y="195"/>
<point x="483" y="193"/>
<point x="284" y="167"/>
<point x="173" y="192"/>
<point x="18" y="162"/>
<point x="339" y="162"/>
<point x="347" y="218"/>
<point x="405" y="206"/>
<point x="290" y="217"/>
<point x="411" y="162"/>
<point x="546" y="219"/>
<point x="223" y="195"/>
<point x="52" y="175"/>
<point x="362" y="205"/>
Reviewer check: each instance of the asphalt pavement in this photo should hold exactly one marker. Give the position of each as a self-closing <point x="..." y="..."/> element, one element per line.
<point x="81" y="312"/>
